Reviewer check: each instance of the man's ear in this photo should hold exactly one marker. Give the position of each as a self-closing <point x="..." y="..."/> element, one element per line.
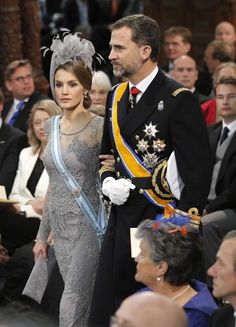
<point x="8" y="86"/>
<point x="146" y="51"/>
<point x="188" y="47"/>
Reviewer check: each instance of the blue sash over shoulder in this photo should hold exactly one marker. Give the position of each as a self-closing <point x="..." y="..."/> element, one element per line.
<point x="98" y="222"/>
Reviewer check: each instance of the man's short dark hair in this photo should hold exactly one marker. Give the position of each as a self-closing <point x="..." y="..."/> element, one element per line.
<point x="222" y="51"/>
<point x="184" y="32"/>
<point x="227" y="81"/>
<point x="145" y="31"/>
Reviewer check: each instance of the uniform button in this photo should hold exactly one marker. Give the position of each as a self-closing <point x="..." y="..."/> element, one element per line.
<point x="118" y="159"/>
<point x="118" y="174"/>
<point x="141" y="191"/>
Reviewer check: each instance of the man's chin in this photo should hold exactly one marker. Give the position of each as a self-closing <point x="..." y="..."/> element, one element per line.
<point x="216" y="293"/>
<point x="27" y="94"/>
<point x="117" y="73"/>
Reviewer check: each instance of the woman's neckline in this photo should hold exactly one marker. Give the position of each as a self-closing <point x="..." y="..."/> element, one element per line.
<point x="80" y="130"/>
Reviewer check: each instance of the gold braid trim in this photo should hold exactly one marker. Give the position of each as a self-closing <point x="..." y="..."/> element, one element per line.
<point x="162" y="166"/>
<point x="179" y="90"/>
<point x="105" y="168"/>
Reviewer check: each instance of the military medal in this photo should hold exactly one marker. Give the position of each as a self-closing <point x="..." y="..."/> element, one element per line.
<point x="160" y="105"/>
<point x="158" y="145"/>
<point x="150" y="130"/>
<point x="150" y="160"/>
<point x="142" y="145"/>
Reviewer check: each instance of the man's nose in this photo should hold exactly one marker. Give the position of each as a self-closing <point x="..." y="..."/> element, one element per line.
<point x="112" y="55"/>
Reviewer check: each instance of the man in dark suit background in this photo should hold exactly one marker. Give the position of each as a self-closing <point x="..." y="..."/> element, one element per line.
<point x="177" y="42"/>
<point x="12" y="140"/>
<point x="19" y="81"/>
<point x="186" y="73"/>
<point x="220" y="211"/>
<point x="223" y="272"/>
<point x="141" y="131"/>
<point x="223" y="317"/>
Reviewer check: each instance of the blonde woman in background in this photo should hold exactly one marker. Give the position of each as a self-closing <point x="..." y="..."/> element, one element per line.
<point x="19" y="222"/>
<point x="100" y="87"/>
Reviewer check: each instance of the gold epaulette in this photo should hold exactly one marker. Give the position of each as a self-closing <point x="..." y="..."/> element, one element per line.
<point x="105" y="168"/>
<point x="179" y="90"/>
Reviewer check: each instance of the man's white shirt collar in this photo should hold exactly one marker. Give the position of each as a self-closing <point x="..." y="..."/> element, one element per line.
<point x="143" y="85"/>
<point x="231" y="126"/>
<point x="15" y="101"/>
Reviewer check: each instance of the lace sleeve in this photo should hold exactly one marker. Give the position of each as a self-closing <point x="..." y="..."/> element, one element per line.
<point x="100" y="123"/>
<point x="45" y="228"/>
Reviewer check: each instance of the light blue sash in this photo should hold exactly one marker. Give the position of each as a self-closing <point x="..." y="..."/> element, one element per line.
<point x="98" y="222"/>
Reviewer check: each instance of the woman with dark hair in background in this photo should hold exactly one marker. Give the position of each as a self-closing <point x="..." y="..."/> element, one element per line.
<point x="168" y="257"/>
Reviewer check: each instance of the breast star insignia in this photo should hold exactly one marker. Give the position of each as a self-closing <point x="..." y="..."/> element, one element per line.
<point x="150" y="160"/>
<point x="142" y="145"/>
<point x="150" y="130"/>
<point x="158" y="145"/>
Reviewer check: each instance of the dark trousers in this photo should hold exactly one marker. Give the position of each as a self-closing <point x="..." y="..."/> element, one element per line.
<point x="16" y="272"/>
<point x="17" y="230"/>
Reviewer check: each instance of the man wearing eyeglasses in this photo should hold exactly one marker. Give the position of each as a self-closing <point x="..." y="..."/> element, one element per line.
<point x="20" y="83"/>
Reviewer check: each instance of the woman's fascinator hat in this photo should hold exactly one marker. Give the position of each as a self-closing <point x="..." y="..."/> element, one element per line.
<point x="177" y="218"/>
<point x="67" y="46"/>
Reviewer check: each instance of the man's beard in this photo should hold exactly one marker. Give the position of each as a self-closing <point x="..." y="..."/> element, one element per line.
<point x="119" y="72"/>
<point x="122" y="72"/>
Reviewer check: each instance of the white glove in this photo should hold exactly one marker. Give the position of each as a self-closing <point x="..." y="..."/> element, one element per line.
<point x="117" y="190"/>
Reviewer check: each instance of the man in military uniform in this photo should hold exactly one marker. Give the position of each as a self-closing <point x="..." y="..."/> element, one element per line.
<point x="141" y="130"/>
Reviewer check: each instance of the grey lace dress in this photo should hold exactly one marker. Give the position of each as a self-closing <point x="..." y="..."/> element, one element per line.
<point x="75" y="241"/>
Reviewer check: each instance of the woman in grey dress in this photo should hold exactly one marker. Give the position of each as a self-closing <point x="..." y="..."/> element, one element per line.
<point x="75" y="240"/>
